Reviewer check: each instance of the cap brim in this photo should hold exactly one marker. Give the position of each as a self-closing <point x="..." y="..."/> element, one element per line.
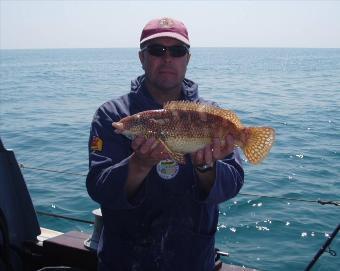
<point x="167" y="34"/>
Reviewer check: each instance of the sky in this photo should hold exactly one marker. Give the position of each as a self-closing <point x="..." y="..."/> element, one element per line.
<point x="109" y="24"/>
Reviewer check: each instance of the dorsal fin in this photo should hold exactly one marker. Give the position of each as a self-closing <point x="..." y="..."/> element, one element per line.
<point x="204" y="108"/>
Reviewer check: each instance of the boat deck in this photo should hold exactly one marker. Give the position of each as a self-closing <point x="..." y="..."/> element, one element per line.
<point x="68" y="249"/>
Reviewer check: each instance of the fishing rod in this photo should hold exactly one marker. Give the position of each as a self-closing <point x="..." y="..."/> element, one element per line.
<point x="323" y="248"/>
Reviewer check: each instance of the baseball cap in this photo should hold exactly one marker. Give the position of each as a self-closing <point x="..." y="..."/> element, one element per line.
<point x="165" y="27"/>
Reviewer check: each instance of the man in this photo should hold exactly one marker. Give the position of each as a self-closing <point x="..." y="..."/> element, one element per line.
<point x="157" y="214"/>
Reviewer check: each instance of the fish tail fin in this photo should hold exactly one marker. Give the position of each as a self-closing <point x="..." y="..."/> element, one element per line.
<point x="258" y="143"/>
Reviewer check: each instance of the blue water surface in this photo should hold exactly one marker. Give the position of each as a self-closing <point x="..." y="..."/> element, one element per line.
<point x="48" y="98"/>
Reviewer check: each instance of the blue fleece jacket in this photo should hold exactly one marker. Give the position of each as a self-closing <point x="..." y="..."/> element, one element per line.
<point x="167" y="225"/>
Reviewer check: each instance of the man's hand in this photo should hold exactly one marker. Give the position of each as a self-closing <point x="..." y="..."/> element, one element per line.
<point x="213" y="152"/>
<point x="148" y="152"/>
<point x="208" y="156"/>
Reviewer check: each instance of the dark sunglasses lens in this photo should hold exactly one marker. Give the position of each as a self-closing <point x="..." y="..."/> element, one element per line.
<point x="160" y="50"/>
<point x="178" y="51"/>
<point x="156" y="50"/>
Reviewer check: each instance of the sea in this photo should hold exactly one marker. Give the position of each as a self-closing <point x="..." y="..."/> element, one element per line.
<point x="48" y="98"/>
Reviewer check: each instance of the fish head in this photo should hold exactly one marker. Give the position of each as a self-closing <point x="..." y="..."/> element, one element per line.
<point x="129" y="126"/>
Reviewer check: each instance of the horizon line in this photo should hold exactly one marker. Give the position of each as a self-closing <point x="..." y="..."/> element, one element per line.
<point x="198" y="47"/>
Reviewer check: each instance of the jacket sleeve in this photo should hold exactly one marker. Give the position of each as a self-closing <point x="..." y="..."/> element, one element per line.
<point x="229" y="180"/>
<point x="108" y="163"/>
<point x="229" y="176"/>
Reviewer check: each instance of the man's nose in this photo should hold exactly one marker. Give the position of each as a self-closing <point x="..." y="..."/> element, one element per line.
<point x="167" y="57"/>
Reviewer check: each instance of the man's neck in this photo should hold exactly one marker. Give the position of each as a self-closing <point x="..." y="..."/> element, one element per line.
<point x="162" y="96"/>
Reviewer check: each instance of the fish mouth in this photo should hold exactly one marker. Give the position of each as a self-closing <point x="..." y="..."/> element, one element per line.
<point x="119" y="127"/>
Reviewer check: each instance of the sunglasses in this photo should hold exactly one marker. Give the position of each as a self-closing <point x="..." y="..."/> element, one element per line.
<point x="160" y="50"/>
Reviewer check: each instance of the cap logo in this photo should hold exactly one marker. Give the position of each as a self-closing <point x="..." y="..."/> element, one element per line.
<point x="166" y="23"/>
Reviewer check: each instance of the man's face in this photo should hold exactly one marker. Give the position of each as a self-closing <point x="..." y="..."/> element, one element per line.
<point x="164" y="72"/>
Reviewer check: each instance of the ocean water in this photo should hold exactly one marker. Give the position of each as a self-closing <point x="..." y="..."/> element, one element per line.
<point x="48" y="98"/>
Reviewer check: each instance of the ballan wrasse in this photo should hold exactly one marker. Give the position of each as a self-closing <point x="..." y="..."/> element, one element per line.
<point x="185" y="127"/>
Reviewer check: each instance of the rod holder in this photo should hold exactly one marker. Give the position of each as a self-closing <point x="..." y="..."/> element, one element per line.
<point x="93" y="240"/>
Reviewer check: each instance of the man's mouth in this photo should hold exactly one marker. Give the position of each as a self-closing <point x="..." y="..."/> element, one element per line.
<point x="168" y="71"/>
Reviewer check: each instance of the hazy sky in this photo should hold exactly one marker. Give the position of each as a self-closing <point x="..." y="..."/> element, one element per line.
<point x="106" y="24"/>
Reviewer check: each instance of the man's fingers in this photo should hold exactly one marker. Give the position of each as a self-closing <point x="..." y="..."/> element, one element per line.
<point x="137" y="142"/>
<point x="197" y="157"/>
<point x="230" y="144"/>
<point x="147" y="146"/>
<point x="154" y="144"/>
<point x="159" y="152"/>
<point x="208" y="155"/>
<point x="216" y="149"/>
<point x="228" y="147"/>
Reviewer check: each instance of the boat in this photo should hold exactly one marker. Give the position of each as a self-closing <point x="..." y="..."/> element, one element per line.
<point x="25" y="245"/>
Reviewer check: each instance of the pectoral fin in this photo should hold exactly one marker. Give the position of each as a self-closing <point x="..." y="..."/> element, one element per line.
<point x="178" y="157"/>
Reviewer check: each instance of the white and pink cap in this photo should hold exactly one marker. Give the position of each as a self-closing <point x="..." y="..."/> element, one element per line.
<point x="165" y="27"/>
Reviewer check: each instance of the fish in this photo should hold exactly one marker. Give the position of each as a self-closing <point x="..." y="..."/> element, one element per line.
<point x="185" y="127"/>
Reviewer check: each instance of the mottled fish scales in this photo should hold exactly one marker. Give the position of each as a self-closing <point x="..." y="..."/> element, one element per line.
<point x="204" y="108"/>
<point x="185" y="127"/>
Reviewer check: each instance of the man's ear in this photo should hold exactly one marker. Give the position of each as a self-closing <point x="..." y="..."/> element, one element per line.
<point x="141" y="58"/>
<point x="189" y="55"/>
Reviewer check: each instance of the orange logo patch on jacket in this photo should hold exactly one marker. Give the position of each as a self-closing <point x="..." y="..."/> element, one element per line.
<point x="96" y="144"/>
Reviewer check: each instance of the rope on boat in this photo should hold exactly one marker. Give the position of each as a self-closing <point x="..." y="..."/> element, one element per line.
<point x="322" y="202"/>
<point x="65" y="217"/>
<point x="56" y="215"/>
<point x="51" y="170"/>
